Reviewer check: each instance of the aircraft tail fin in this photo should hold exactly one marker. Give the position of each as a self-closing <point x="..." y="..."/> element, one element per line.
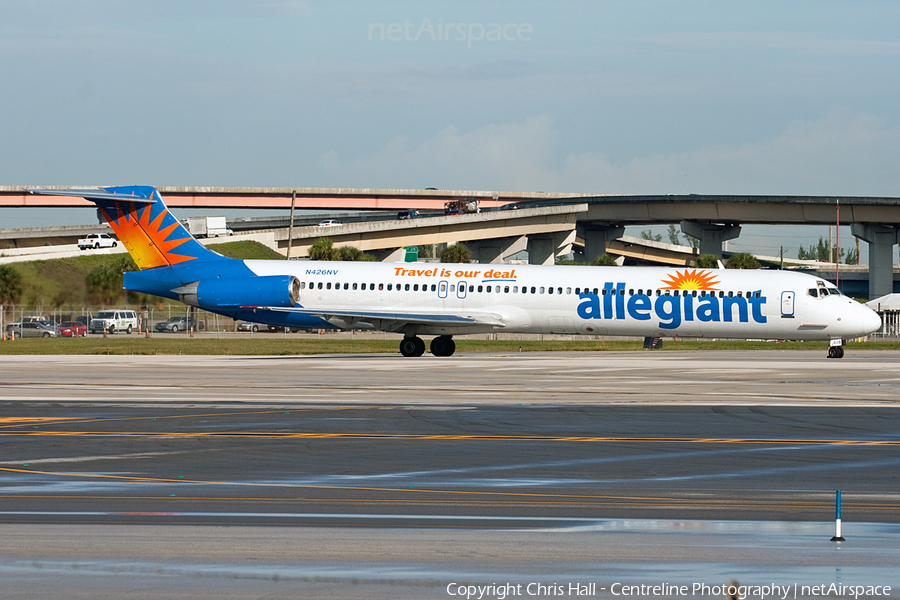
<point x="142" y="222"/>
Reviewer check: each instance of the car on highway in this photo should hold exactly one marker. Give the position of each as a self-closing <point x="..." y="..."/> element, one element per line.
<point x="408" y="214"/>
<point x="97" y="240"/>
<point x="176" y="324"/>
<point x="72" y="329"/>
<point x="31" y="329"/>
<point x="329" y="223"/>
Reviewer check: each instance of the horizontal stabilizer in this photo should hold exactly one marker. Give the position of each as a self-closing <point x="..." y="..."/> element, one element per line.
<point x="94" y="194"/>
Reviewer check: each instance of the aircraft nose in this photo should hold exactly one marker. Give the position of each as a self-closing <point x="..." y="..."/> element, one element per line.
<point x="870" y="320"/>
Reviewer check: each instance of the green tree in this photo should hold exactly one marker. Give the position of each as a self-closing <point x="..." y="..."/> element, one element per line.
<point x="104" y="284"/>
<point x="673" y="235"/>
<point x="647" y="234"/>
<point x="604" y="260"/>
<point x="457" y="253"/>
<point x="742" y="260"/>
<point x="852" y="257"/>
<point x="322" y="249"/>
<point x="348" y="253"/>
<point x="707" y="261"/>
<point x="817" y="251"/>
<point x="10" y="285"/>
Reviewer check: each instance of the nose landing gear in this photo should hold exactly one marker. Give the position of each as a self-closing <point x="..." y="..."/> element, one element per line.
<point x="836" y="352"/>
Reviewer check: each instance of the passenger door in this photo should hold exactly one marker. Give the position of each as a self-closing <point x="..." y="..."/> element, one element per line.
<point x="787" y="305"/>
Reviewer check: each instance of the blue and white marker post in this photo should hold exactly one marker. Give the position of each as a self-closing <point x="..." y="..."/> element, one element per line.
<point x="837" y="519"/>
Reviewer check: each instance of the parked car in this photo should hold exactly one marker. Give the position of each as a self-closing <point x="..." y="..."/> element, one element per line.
<point x="249" y="326"/>
<point x="176" y="324"/>
<point x="329" y="223"/>
<point x="72" y="329"/>
<point x="31" y="329"/>
<point x="114" y="320"/>
<point x="97" y="240"/>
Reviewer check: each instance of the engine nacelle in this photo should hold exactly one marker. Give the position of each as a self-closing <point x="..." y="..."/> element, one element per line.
<point x="269" y="290"/>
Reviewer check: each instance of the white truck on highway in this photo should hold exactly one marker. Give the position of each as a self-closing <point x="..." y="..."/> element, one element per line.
<point x="207" y="227"/>
<point x="97" y="240"/>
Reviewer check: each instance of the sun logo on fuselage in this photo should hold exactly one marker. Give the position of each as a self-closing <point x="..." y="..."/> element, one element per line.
<point x="690" y="280"/>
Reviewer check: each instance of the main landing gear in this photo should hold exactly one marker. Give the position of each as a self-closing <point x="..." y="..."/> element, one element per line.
<point x="836" y="352"/>
<point x="440" y="346"/>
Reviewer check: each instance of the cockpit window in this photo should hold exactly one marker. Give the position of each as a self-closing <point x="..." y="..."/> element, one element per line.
<point x="834" y="291"/>
<point x="813" y="292"/>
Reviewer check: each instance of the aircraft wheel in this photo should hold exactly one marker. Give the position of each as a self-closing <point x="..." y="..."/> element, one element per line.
<point x="443" y="346"/>
<point x="836" y="352"/>
<point x="412" y="346"/>
<point x="840" y="352"/>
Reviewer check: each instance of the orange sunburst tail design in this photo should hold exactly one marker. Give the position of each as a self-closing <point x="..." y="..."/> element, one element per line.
<point x="143" y="223"/>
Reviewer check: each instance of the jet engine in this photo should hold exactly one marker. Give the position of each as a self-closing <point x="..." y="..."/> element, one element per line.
<point x="268" y="290"/>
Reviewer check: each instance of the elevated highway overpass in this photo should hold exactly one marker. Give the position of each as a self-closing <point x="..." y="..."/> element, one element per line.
<point x="550" y="224"/>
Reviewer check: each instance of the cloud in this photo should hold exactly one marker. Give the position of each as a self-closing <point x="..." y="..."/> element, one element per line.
<point x="837" y="154"/>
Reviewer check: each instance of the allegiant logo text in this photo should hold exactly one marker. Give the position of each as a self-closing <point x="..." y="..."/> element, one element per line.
<point x="671" y="310"/>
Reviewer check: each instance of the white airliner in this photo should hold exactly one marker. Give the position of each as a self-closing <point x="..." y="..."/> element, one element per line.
<point x="444" y="300"/>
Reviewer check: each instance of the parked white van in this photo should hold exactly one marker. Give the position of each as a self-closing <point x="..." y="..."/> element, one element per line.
<point x="112" y="321"/>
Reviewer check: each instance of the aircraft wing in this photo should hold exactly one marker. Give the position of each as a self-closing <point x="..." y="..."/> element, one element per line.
<point x="395" y="320"/>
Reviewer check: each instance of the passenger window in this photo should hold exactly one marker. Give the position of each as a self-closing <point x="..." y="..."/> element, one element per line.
<point x="731" y="294"/>
<point x="406" y="287"/>
<point x="328" y="286"/>
<point x="433" y="287"/>
<point x="721" y="294"/>
<point x="568" y="290"/>
<point x="480" y="289"/>
<point x="549" y="290"/>
<point x="577" y="291"/>
<point x="740" y="295"/>
<point x="354" y="286"/>
<point x="320" y="285"/>
<point x="524" y="289"/>
<point x="559" y="290"/>
<point x="381" y="286"/>
<point x="515" y="289"/>
<point x="532" y="290"/>
<point x="506" y="290"/>
<point x="471" y="288"/>
<point x="415" y="287"/>
<point x="488" y="289"/>
<point x="452" y="287"/>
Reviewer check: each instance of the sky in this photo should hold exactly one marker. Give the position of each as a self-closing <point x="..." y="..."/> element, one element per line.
<point x="593" y="97"/>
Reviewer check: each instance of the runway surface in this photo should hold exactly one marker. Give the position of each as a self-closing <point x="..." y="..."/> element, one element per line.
<point x="378" y="476"/>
